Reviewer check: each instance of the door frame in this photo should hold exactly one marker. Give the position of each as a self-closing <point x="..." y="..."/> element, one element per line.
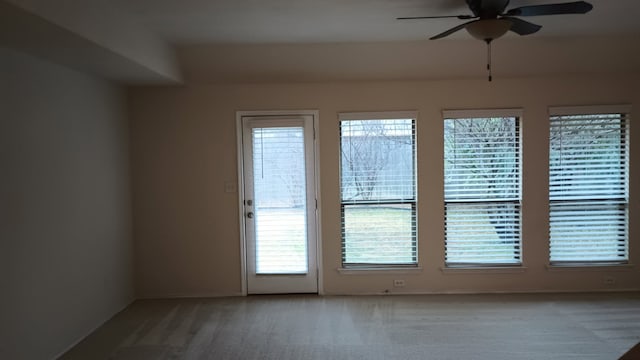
<point x="316" y="171"/>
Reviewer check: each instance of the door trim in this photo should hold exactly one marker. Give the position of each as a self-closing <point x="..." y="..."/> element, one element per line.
<point x="240" y="162"/>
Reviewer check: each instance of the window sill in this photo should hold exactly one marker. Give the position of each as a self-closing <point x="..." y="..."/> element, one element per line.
<point x="591" y="267"/>
<point x="379" y="270"/>
<point x="484" y="270"/>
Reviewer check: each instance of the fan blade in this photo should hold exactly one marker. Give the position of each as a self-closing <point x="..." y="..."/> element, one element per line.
<point x="451" y="31"/>
<point x="461" y="17"/>
<point x="522" y="27"/>
<point x="577" y="7"/>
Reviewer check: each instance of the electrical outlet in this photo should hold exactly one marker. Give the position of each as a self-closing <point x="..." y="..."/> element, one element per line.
<point x="398" y="283"/>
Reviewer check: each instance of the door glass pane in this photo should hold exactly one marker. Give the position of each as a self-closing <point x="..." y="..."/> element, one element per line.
<point x="280" y="200"/>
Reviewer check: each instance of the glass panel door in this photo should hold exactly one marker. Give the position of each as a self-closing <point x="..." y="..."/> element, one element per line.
<point x="279" y="189"/>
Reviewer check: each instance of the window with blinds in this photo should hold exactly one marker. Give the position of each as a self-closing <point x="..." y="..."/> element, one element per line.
<point x="482" y="188"/>
<point x="279" y="185"/>
<point x="378" y="189"/>
<point x="588" y="185"/>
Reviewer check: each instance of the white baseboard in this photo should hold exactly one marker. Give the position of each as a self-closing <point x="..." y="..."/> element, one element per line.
<point x="187" y="295"/>
<point x="483" y="292"/>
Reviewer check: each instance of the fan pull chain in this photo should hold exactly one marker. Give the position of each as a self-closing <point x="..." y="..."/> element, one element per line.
<point x="489" y="57"/>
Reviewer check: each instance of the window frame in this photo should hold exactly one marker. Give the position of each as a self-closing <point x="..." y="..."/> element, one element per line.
<point x="516" y="113"/>
<point x="625" y="114"/>
<point x="381" y="115"/>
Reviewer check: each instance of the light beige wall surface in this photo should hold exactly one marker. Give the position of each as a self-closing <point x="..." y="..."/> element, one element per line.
<point x="65" y="220"/>
<point x="184" y="149"/>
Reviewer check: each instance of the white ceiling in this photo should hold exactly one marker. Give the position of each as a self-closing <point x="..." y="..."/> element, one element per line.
<point x="185" y="22"/>
<point x="210" y="41"/>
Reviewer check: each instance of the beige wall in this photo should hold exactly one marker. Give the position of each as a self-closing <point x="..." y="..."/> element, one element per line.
<point x="184" y="149"/>
<point x="65" y="220"/>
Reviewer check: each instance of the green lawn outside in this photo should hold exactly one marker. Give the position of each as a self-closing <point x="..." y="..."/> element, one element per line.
<point x="379" y="234"/>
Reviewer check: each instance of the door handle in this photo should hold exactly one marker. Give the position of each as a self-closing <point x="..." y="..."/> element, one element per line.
<point x="250" y="215"/>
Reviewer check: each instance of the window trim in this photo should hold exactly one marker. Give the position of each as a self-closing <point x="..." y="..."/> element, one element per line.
<point x="362" y="268"/>
<point x="481" y="113"/>
<point x="590" y="267"/>
<point x="386" y="270"/>
<point x="378" y="115"/>
<point x="588" y="110"/>
<point x="474" y="266"/>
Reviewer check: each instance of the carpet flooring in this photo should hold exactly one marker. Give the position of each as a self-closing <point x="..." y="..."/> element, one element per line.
<point x="517" y="326"/>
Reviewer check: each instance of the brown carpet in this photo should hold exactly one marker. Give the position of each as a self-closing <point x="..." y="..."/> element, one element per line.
<point x="575" y="326"/>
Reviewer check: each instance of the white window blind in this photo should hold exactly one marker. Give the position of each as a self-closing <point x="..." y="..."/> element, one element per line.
<point x="280" y="200"/>
<point x="482" y="188"/>
<point x="588" y="184"/>
<point x="378" y="190"/>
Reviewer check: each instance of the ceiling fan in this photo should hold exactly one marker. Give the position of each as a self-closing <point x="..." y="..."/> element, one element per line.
<point x="491" y="19"/>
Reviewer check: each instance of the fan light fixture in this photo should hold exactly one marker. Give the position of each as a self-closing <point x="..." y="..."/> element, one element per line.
<point x="488" y="29"/>
<point x="490" y="19"/>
